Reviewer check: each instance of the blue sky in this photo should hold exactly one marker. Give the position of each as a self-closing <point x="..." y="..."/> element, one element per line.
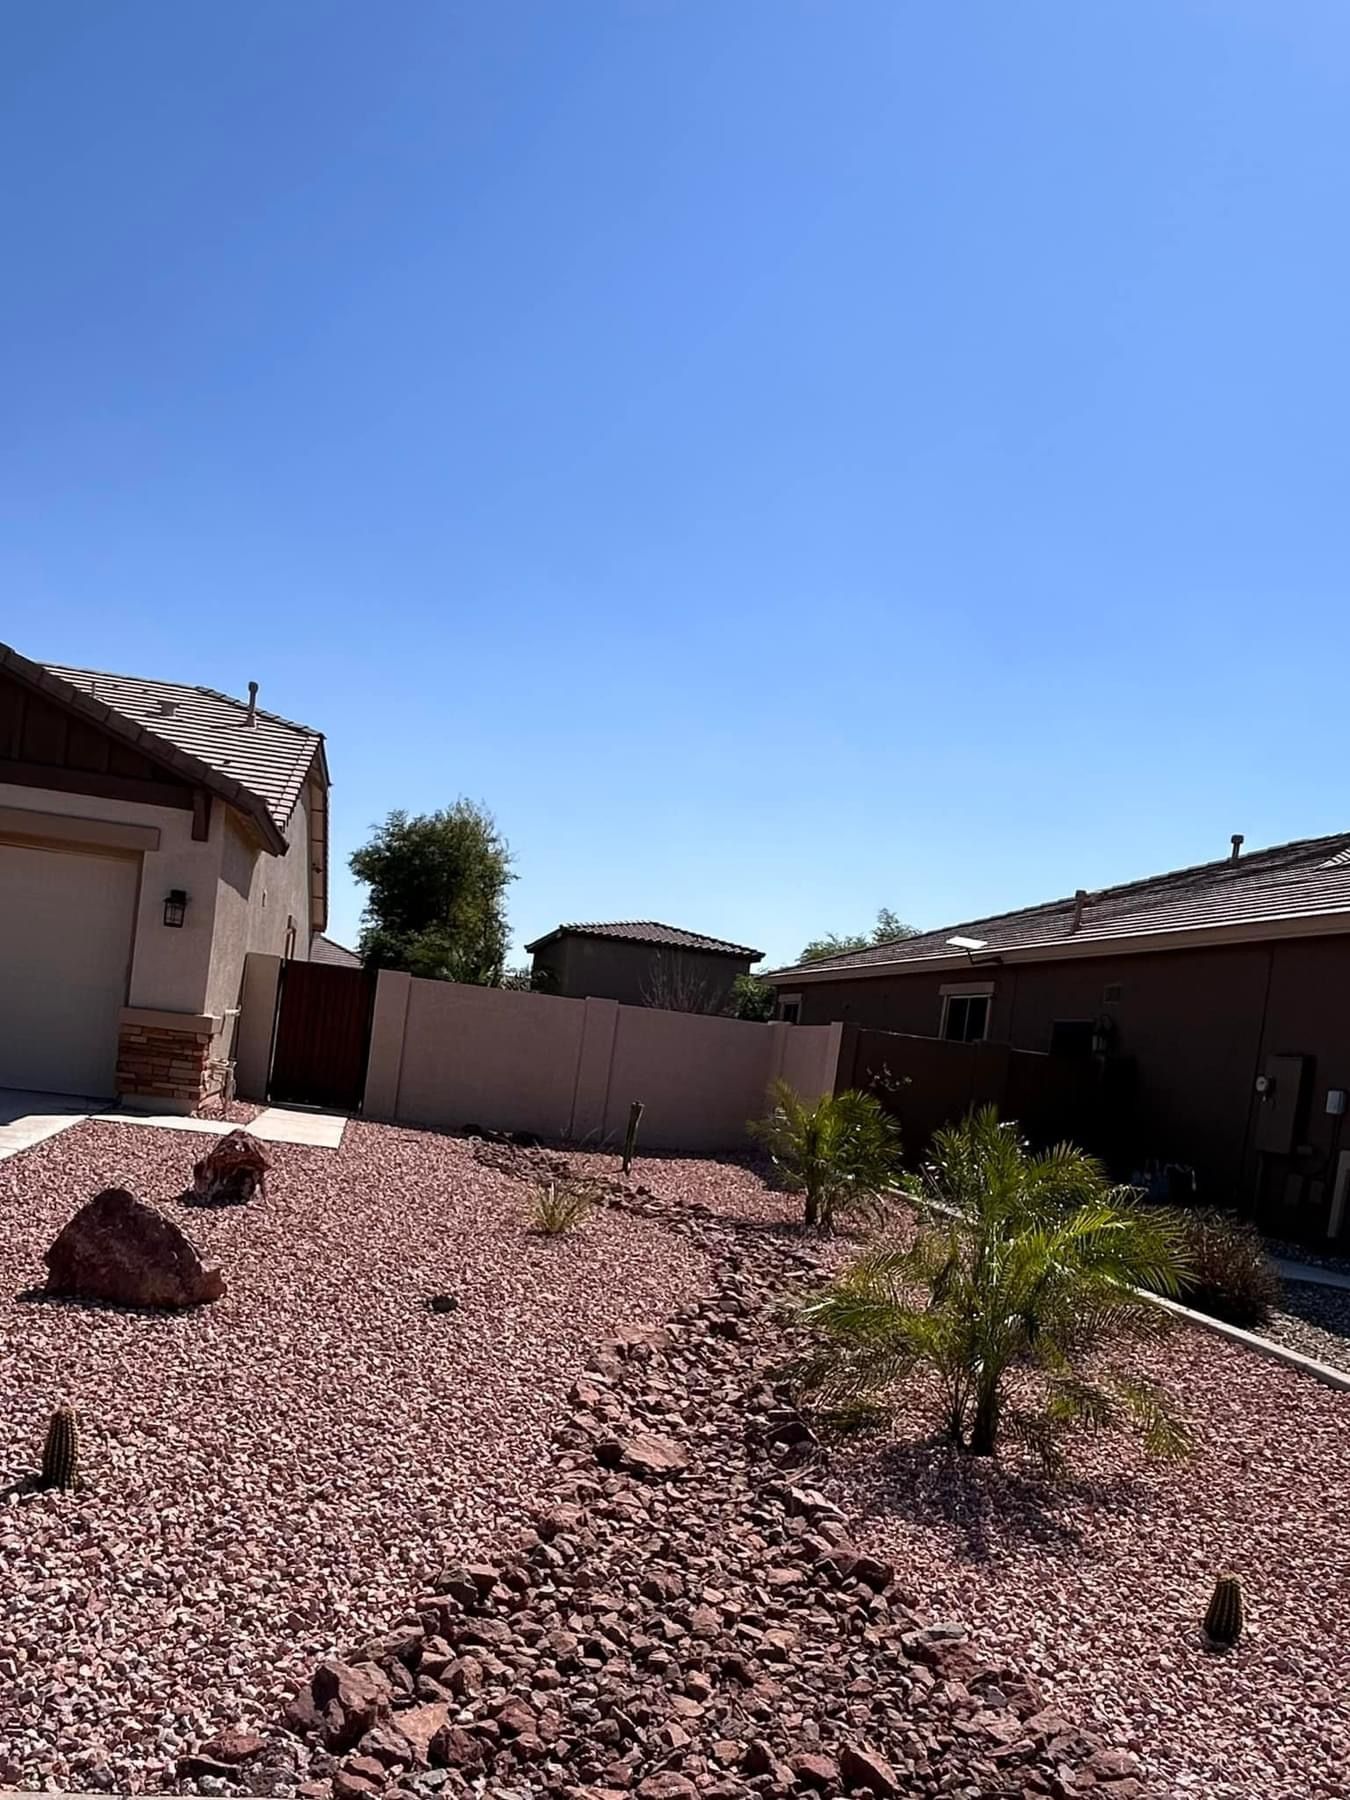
<point x="783" y="457"/>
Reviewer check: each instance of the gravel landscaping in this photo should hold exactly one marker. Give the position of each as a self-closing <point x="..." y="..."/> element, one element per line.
<point x="274" y="1480"/>
<point x="1314" y="1320"/>
<point x="271" y="1474"/>
<point x="1097" y="1583"/>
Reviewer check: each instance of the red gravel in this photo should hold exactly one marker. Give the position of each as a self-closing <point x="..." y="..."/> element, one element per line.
<point x="274" y="1476"/>
<point x="1098" y="1582"/>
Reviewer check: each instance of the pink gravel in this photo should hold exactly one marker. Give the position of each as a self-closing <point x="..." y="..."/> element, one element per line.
<point x="1097" y="1583"/>
<point x="275" y="1476"/>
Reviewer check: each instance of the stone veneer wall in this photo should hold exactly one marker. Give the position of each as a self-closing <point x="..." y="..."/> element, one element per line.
<point x="162" y="1064"/>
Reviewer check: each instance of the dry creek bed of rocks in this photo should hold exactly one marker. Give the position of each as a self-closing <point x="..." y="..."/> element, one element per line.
<point x="688" y="1614"/>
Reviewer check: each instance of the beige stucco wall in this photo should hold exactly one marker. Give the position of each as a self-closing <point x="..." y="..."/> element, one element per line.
<point x="483" y="1056"/>
<point x="169" y="968"/>
<point x="451" y="1056"/>
<point x="256" y="895"/>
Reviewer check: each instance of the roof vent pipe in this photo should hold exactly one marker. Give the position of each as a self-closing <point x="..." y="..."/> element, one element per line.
<point x="1236" y="841"/>
<point x="1079" y="902"/>
<point x="252" y="718"/>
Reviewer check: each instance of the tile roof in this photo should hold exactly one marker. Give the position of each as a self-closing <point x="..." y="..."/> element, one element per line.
<point x="1289" y="881"/>
<point x="650" y="931"/>
<point x="327" y="950"/>
<point x="269" y="758"/>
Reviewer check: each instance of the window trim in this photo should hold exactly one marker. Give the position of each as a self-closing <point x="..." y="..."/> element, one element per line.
<point x="786" y="1017"/>
<point x="983" y="990"/>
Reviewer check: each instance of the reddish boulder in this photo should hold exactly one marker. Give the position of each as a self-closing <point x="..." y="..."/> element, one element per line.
<point x="233" y="1745"/>
<point x="349" y="1700"/>
<point x="231" y="1172"/>
<point x="863" y="1768"/>
<point x="117" y="1248"/>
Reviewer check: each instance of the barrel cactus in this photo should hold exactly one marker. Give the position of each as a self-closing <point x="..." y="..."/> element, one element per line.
<point x="61" y="1451"/>
<point x="1223" y="1619"/>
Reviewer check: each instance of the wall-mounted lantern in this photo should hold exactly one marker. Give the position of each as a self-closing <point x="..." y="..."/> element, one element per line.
<point x="175" y="907"/>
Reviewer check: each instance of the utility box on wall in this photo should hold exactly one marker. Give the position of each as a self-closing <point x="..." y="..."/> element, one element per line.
<point x="1282" y="1087"/>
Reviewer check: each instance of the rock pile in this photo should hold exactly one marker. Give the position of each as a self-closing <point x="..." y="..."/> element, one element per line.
<point x="688" y="1615"/>
<point x="120" y="1249"/>
<point x="231" y="1172"/>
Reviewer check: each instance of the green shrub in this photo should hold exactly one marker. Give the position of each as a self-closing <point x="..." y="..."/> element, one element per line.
<point x="1230" y="1276"/>
<point x="841" y="1151"/>
<point x="560" y="1206"/>
<point x="1020" y="1262"/>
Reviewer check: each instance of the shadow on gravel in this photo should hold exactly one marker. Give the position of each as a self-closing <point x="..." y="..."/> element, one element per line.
<point x="991" y="1509"/>
<point x="1328" y="1308"/>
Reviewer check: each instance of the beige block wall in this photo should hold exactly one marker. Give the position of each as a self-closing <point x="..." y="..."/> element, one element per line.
<point x="446" y="1055"/>
<point x="483" y="1056"/>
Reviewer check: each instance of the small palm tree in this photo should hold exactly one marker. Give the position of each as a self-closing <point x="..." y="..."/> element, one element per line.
<point x="840" y="1151"/>
<point x="1029" y="1262"/>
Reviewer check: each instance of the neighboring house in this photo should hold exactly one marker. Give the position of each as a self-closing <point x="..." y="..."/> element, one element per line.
<point x="1214" y="1001"/>
<point x="326" y="950"/>
<point x="640" y="963"/>
<point x="151" y="834"/>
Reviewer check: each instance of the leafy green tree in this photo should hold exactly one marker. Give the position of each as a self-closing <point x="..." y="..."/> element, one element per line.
<point x="1030" y="1263"/>
<point x="841" y="1151"/>
<point x="436" y="905"/>
<point x="887" y="930"/>
<point x="751" y="998"/>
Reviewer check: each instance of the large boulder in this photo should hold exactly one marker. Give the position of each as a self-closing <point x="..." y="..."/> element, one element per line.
<point x="231" y="1172"/>
<point x="117" y="1248"/>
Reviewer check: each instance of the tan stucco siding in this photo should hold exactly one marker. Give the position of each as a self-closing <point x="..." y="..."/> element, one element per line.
<point x="258" y="897"/>
<point x="169" y="967"/>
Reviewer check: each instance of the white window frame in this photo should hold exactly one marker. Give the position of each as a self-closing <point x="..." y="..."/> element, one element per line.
<point x="966" y="990"/>
<point x="790" y="1009"/>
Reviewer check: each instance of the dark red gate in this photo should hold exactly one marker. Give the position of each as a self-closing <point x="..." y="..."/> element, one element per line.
<point x="323" y="1035"/>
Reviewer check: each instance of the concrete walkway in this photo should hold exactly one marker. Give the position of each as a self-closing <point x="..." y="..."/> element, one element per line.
<point x="27" y="1119"/>
<point x="274" y="1125"/>
<point x="1311" y="1273"/>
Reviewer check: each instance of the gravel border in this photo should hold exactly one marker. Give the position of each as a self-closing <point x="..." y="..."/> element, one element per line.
<point x="1315" y="1321"/>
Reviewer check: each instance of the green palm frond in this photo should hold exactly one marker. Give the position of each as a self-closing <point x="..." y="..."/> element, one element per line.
<point x="1027" y="1262"/>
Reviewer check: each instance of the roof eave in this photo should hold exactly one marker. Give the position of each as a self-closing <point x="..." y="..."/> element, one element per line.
<point x="1327" y="923"/>
<point x="182" y="762"/>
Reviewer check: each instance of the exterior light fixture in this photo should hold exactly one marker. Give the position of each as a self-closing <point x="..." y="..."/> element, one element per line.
<point x="175" y="906"/>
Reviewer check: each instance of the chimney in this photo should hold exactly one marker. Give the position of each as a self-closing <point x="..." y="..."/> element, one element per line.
<point x="1236" y="841"/>
<point x="1079" y="902"/>
<point x="252" y="718"/>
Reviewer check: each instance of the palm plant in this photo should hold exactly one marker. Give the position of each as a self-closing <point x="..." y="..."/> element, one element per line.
<point x="841" y="1151"/>
<point x="1029" y="1263"/>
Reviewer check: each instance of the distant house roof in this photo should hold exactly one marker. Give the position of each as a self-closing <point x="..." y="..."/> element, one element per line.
<point x="260" y="768"/>
<point x="1303" y="880"/>
<point x="327" y="950"/>
<point x="648" y="931"/>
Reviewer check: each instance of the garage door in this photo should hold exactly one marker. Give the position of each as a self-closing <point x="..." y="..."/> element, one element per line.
<point x="65" y="945"/>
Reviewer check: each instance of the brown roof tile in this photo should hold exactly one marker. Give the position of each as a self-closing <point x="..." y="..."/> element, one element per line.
<point x="1310" y="876"/>
<point x="650" y="931"/>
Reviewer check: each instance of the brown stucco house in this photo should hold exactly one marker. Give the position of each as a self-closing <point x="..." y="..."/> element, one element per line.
<point x="151" y="834"/>
<point x="641" y="963"/>
<point x="1211" y="1006"/>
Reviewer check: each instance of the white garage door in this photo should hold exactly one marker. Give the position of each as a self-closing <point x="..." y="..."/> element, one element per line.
<point x="65" y="946"/>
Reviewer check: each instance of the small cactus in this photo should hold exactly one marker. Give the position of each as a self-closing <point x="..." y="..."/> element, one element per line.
<point x="1223" y="1619"/>
<point x="61" y="1452"/>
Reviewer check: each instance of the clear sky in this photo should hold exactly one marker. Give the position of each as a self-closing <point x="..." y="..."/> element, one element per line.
<point x="783" y="457"/>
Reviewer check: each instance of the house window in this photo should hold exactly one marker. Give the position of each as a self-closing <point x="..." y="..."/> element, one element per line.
<point x="965" y="1018"/>
<point x="790" y="1010"/>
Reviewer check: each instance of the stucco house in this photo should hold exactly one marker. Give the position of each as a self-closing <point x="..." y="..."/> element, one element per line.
<point x="152" y="833"/>
<point x="1207" y="1007"/>
<point x="641" y="963"/>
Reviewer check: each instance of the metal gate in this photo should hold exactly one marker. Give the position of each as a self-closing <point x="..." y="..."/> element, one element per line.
<point x="322" y="1035"/>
